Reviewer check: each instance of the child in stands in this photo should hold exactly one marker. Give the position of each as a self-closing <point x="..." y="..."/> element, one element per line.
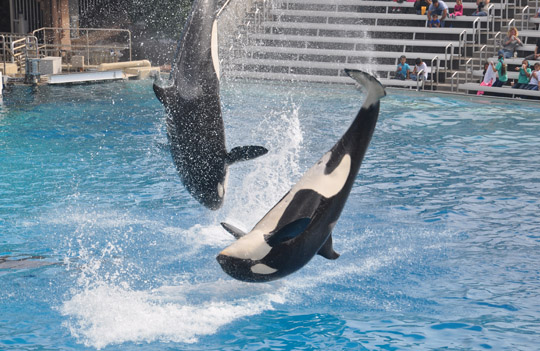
<point x="403" y="69"/>
<point x="500" y="68"/>
<point x="524" y="75"/>
<point x="419" y="67"/>
<point x="434" y="22"/>
<point x="489" y="77"/>
<point x="535" y="77"/>
<point x="458" y="9"/>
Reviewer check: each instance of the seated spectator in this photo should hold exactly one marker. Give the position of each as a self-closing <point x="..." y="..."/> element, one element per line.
<point x="403" y="69"/>
<point x="524" y="75"/>
<point x="510" y="43"/>
<point x="536" y="54"/>
<point x="489" y="77"/>
<point x="439" y="8"/>
<point x="418" y="4"/>
<point x="502" y="74"/>
<point x="419" y="66"/>
<point x="435" y="22"/>
<point x="458" y="9"/>
<point x="535" y="77"/>
<point x="480" y="4"/>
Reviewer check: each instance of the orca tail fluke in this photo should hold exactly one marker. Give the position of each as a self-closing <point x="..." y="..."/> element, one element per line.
<point x="244" y="153"/>
<point x="374" y="88"/>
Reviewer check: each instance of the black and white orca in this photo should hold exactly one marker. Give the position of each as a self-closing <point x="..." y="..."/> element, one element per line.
<point x="194" y="122"/>
<point x="300" y="225"/>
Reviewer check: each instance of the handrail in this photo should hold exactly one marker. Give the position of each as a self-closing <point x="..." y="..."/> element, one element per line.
<point x="463" y="42"/>
<point x="511" y="23"/>
<point x="476" y="31"/>
<point x="525" y="18"/>
<point x="452" y="81"/>
<point x="437" y="74"/>
<point x="451" y="46"/>
<point x="483" y="50"/>
<point x="3" y="52"/>
<point x="490" y="19"/>
<point x="467" y="69"/>
<point x="495" y="46"/>
<point x="46" y="45"/>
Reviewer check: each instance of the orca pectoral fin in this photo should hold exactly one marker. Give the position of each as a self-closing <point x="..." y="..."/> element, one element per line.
<point x="244" y="153"/>
<point x="237" y="233"/>
<point x="327" y="250"/>
<point x="288" y="232"/>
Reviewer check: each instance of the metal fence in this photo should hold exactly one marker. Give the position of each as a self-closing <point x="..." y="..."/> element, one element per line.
<point x="97" y="45"/>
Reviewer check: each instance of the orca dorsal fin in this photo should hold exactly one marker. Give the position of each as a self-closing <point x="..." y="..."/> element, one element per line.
<point x="237" y="233"/>
<point x="288" y="232"/>
<point x="244" y="153"/>
<point x="327" y="250"/>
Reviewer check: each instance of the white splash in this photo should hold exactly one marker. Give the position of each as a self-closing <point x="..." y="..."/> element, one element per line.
<point x="107" y="315"/>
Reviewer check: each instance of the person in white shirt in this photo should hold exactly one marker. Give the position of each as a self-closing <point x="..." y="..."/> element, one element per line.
<point x="489" y="77"/>
<point x="535" y="77"/>
<point x="418" y="67"/>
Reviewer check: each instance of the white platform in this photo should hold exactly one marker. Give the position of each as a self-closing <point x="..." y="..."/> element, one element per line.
<point x="86" y="77"/>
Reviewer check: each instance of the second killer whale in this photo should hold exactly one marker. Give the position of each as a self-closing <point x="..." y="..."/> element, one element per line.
<point x="300" y="225"/>
<point x="192" y="101"/>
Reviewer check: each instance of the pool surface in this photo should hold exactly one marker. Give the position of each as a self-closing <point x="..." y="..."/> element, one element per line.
<point x="101" y="247"/>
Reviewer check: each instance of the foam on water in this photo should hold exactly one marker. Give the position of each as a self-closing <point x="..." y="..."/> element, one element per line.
<point x="105" y="309"/>
<point x="107" y="315"/>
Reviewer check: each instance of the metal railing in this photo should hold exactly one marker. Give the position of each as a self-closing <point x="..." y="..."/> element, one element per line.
<point x="452" y="81"/>
<point x="496" y="43"/>
<point x="525" y="17"/>
<point x="433" y="60"/>
<point x="447" y="49"/>
<point x="86" y="41"/>
<point x="4" y="54"/>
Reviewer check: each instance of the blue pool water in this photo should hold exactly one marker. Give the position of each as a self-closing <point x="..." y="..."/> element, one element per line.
<point x="102" y="248"/>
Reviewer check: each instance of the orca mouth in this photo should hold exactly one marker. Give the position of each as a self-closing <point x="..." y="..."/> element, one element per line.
<point x="236" y="268"/>
<point x="241" y="269"/>
<point x="211" y="202"/>
<point x="222" y="260"/>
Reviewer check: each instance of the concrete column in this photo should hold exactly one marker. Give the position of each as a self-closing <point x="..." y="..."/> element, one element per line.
<point x="12" y="13"/>
<point x="60" y="19"/>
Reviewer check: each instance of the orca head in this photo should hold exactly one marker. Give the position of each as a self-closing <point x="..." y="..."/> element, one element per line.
<point x="245" y="258"/>
<point x="211" y="191"/>
<point x="260" y="256"/>
<point x="246" y="270"/>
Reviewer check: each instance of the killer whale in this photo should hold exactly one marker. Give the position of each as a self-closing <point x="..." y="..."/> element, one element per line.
<point x="194" y="121"/>
<point x="300" y="225"/>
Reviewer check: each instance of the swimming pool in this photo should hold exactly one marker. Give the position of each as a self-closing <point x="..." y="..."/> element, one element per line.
<point x="439" y="240"/>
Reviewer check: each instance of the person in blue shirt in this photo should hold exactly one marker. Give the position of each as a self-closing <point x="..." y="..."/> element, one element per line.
<point x="435" y="22"/>
<point x="440" y="8"/>
<point x="403" y="69"/>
